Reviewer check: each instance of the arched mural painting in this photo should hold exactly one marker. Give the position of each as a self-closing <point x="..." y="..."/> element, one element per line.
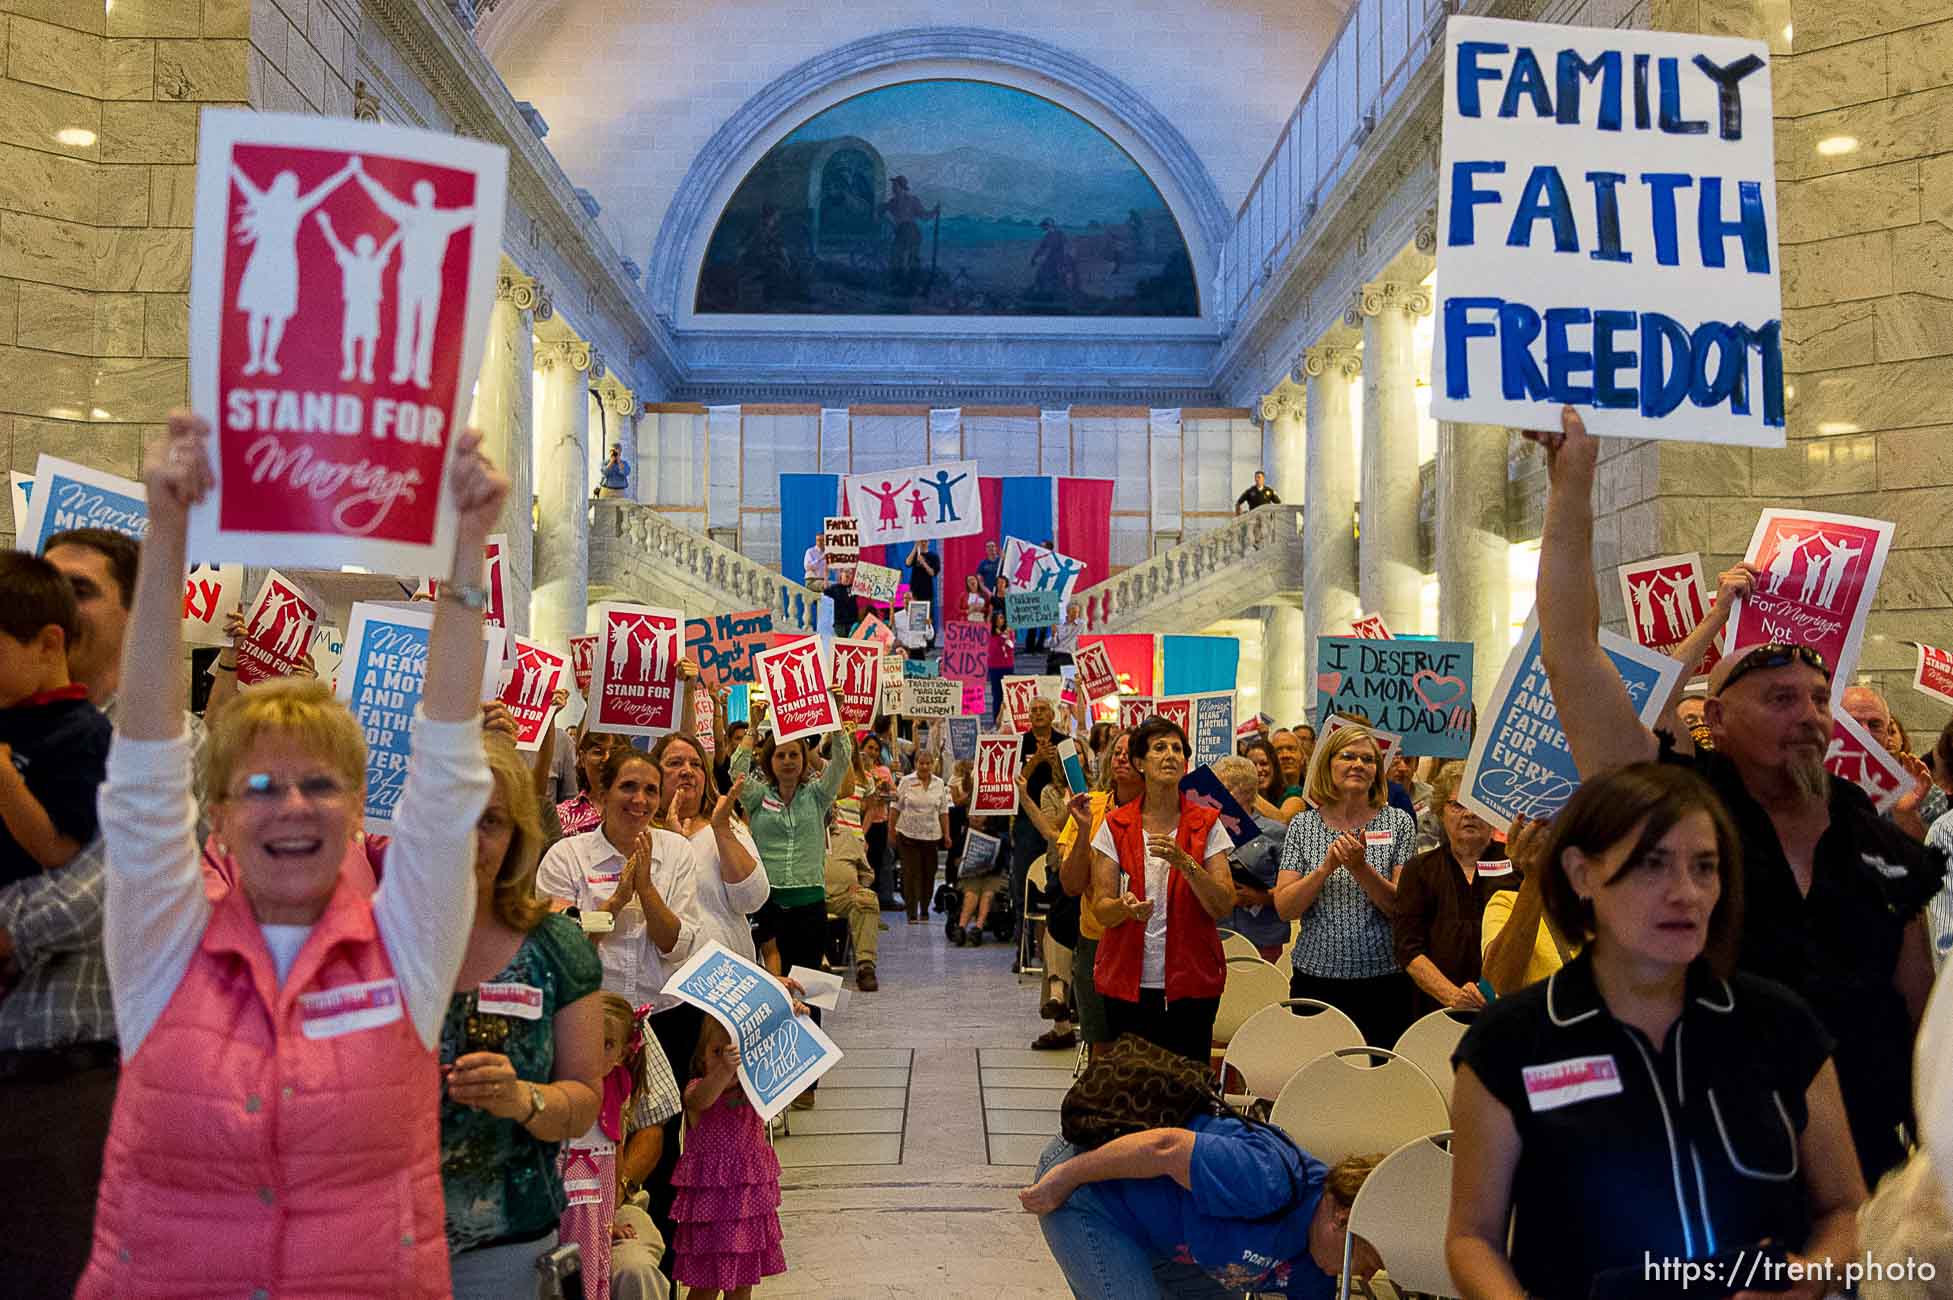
<point x="947" y="198"/>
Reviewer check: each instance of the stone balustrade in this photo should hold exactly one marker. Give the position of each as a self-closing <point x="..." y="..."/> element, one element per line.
<point x="1214" y="576"/>
<point x="636" y="551"/>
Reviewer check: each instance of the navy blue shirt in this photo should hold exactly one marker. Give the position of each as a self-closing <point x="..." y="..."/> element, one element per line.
<point x="987" y="574"/>
<point x="60" y="746"/>
<point x="1245" y="1220"/>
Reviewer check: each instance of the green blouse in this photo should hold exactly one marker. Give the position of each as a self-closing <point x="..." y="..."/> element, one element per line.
<point x="792" y="835"/>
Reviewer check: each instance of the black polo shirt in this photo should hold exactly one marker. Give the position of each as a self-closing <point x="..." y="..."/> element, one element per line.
<point x="1257" y="497"/>
<point x="1838" y="946"/>
<point x="1629" y="1149"/>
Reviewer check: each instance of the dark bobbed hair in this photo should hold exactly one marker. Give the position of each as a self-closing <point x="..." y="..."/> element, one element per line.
<point x="122" y="553"/>
<point x="1147" y="732"/>
<point x="1644" y="800"/>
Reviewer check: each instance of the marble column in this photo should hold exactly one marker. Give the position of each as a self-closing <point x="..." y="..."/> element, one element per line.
<point x="504" y="412"/>
<point x="1284" y="696"/>
<point x="1328" y="523"/>
<point x="1284" y="411"/>
<point x="1390" y="580"/>
<point x="1474" y="599"/>
<point x="558" y="606"/>
<point x="644" y="459"/>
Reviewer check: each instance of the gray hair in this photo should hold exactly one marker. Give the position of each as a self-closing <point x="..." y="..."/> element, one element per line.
<point x="1237" y="773"/>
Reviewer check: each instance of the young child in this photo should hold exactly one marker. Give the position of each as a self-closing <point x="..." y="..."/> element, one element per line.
<point x="728" y="1181"/>
<point x="976" y="607"/>
<point x="53" y="743"/>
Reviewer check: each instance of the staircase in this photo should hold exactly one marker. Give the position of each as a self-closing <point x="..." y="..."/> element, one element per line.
<point x="637" y="554"/>
<point x="1254" y="560"/>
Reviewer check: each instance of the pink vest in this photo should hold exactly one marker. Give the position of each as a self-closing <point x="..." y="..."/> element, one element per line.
<point x="276" y="1141"/>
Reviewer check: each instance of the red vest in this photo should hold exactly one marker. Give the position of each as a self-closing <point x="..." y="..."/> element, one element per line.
<point x="248" y="1155"/>
<point x="1195" y="966"/>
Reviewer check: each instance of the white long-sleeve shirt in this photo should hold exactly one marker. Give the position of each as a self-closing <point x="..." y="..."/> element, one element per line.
<point x="156" y="912"/>
<point x="586" y="869"/>
<point x="723" y="908"/>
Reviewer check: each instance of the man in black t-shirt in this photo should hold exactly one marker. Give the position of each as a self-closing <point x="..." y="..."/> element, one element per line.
<point x="1832" y="893"/>
<point x="1257" y="496"/>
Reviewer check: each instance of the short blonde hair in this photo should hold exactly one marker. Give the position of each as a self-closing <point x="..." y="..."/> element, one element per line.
<point x="1238" y="774"/>
<point x="1320" y="787"/>
<point x="515" y="902"/>
<point x="1347" y="1176"/>
<point x="301" y="709"/>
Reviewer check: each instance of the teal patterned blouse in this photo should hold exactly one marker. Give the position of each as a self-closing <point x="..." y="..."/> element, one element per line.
<point x="500" y="1183"/>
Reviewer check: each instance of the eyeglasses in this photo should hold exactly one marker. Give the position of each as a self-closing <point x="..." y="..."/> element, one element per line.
<point x="265" y="790"/>
<point x="1774" y="655"/>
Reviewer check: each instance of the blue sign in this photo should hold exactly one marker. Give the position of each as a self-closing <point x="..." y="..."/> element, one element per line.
<point x="66" y="495"/>
<point x="1420" y="690"/>
<point x="921" y="668"/>
<point x="1201" y="786"/>
<point x="1213" y="726"/>
<point x="380" y="678"/>
<point x="963" y="736"/>
<point x="1521" y="764"/>
<point x="1032" y="608"/>
<point x="739" y="703"/>
<point x="781" y="1055"/>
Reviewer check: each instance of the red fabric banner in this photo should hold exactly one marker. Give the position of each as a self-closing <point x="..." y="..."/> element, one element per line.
<point x="1085" y="526"/>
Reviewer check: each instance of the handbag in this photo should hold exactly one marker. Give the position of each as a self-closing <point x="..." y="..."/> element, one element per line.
<point x="1132" y="1086"/>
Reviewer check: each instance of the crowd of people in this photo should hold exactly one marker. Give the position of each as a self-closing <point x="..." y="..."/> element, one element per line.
<point x="424" y="1063"/>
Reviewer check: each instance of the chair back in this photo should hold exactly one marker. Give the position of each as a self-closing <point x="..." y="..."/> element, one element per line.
<point x="1251" y="985"/>
<point x="1430" y="1042"/>
<point x="1237" y="945"/>
<point x="1400" y="1210"/>
<point x="1276" y="1041"/>
<point x="1358" y="1101"/>
<point x="1035" y="874"/>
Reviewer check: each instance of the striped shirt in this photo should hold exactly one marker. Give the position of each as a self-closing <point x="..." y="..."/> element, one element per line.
<point x="55" y="921"/>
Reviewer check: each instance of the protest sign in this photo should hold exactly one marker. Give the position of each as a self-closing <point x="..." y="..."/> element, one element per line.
<point x="328" y="648"/>
<point x="636" y="690"/>
<point x="66" y="495"/>
<point x="723" y="645"/>
<point x="702" y="721"/>
<point x="876" y="582"/>
<point x="1039" y="568"/>
<point x="843" y="547"/>
<point x="1820" y="573"/>
<point x="963" y="735"/>
<point x="1422" y="690"/>
<point x="980" y="853"/>
<point x="921" y="668"/>
<point x="1607" y="233"/>
<point x="1212" y="734"/>
<point x="1664" y="599"/>
<point x="781" y="1055"/>
<point x="1934" y="674"/>
<point x="891" y="702"/>
<point x="21" y="489"/>
<point x="1020" y="693"/>
<point x="529" y="684"/>
<point x="277" y="631"/>
<point x="996" y="776"/>
<point x="341" y="279"/>
<point x="1177" y="709"/>
<point x="1133" y="710"/>
<point x="966" y="651"/>
<point x="1388" y="742"/>
<point x="930" y="697"/>
<point x="794" y="677"/>
<point x="1024" y="609"/>
<point x="583" y="656"/>
<point x="381" y="679"/>
<point x="1202" y="787"/>
<point x="739" y="703"/>
<point x="858" y="672"/>
<point x="1855" y="755"/>
<point x="211" y="594"/>
<point x="1521" y="764"/>
<point x="1095" y="671"/>
<point x="1370" y="628"/>
<point x="915" y="503"/>
<point x="875" y="628"/>
<point x="494" y="579"/>
<point x="922" y="620"/>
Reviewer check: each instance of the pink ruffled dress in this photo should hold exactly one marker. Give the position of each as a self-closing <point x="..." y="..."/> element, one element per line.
<point x="727" y="1207"/>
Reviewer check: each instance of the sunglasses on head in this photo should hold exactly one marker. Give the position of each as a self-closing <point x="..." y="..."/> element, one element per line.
<point x="1774" y="655"/>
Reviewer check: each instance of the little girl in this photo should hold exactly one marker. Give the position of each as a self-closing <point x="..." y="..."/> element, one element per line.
<point x="728" y="1181"/>
<point x="975" y="607"/>
<point x="588" y="1165"/>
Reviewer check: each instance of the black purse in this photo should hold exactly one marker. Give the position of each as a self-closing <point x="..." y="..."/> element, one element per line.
<point x="1132" y="1086"/>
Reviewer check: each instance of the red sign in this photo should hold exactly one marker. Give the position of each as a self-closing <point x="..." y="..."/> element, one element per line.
<point x="583" y="654"/>
<point x="1820" y="573"/>
<point x="1856" y="757"/>
<point x="339" y="302"/>
<point x="702" y="721"/>
<point x="1133" y="710"/>
<point x="637" y="687"/>
<point x="1665" y="598"/>
<point x="795" y="681"/>
<point x="493" y="566"/>
<point x="1019" y="694"/>
<point x="996" y="777"/>
<point x="858" y="672"/>
<point x="277" y="633"/>
<point x="1095" y="672"/>
<point x="1934" y="674"/>
<point x="1370" y="627"/>
<point x="529" y="689"/>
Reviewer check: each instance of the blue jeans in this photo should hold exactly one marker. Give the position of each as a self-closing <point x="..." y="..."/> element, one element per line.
<point x="1098" y="1259"/>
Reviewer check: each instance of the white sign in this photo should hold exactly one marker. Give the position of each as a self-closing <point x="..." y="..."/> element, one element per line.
<point x="1039" y="568"/>
<point x="876" y="582"/>
<point x="211" y="594"/>
<point x="916" y="502"/>
<point x="1607" y="233"/>
<point x="931" y="697"/>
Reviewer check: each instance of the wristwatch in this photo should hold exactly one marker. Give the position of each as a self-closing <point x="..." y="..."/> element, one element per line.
<point x="536" y="1106"/>
<point x="475" y="598"/>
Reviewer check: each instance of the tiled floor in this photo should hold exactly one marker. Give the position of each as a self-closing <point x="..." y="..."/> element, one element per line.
<point x="938" y="1072"/>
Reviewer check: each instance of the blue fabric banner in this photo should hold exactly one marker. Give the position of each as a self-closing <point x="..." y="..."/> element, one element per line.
<point x="1190" y="665"/>
<point x="806" y="500"/>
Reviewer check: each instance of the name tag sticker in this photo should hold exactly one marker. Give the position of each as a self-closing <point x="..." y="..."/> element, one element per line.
<point x="1377" y="839"/>
<point x="772" y="804"/>
<point x="523" y="1001"/>
<point x="1492" y="869"/>
<point x="603" y="879"/>
<point x="1582" y="1078"/>
<point x="350" y="1007"/>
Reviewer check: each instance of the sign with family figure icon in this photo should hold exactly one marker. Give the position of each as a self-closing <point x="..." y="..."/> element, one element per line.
<point x="1819" y="575"/>
<point x="914" y="503"/>
<point x="1665" y="598"/>
<point x="342" y="275"/>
